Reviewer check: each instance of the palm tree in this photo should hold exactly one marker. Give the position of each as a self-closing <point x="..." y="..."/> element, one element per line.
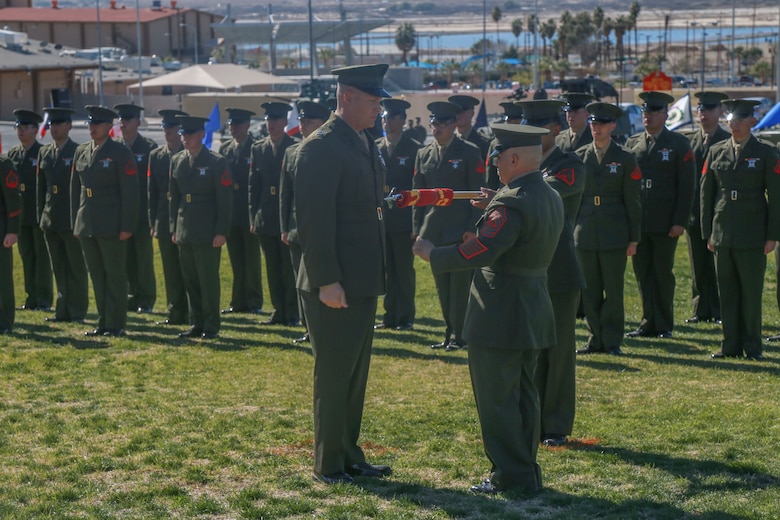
<point x="326" y="54"/>
<point x="633" y="14"/>
<point x="606" y="29"/>
<point x="405" y="38"/>
<point x="547" y="30"/>
<point x="620" y="27"/>
<point x="517" y="28"/>
<point x="496" y="16"/>
<point x="532" y="22"/>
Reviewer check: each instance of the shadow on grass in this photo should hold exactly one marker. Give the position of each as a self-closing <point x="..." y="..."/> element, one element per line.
<point x="770" y="366"/>
<point x="596" y="361"/>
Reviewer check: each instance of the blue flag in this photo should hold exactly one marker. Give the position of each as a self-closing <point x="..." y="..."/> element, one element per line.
<point x="481" y="116"/>
<point x="212" y="126"/>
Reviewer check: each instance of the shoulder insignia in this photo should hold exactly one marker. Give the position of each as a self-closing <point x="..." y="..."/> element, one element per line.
<point x="777" y="167"/>
<point x="12" y="180"/>
<point x="636" y="174"/>
<point x="130" y="168"/>
<point x="688" y="156"/>
<point x="471" y="248"/>
<point x="704" y="168"/>
<point x="225" y="178"/>
<point x="493" y="223"/>
<point x="566" y="175"/>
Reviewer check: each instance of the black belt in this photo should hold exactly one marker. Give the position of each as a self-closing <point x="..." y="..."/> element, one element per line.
<point x="726" y="194"/>
<point x="91" y="192"/>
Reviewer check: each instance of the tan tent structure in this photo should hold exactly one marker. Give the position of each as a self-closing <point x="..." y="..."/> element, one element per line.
<point x="222" y="77"/>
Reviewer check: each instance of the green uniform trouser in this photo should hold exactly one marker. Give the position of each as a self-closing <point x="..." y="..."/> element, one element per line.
<point x="741" y="282"/>
<point x="602" y="297"/>
<point x="174" y="284"/>
<point x="453" y="291"/>
<point x="555" y="379"/>
<point x="704" y="282"/>
<point x="654" y="270"/>
<point x="70" y="272"/>
<point x="142" y="286"/>
<point x="106" y="258"/>
<point x="244" y="253"/>
<point x="295" y="257"/>
<point x="281" y="282"/>
<point x="341" y="344"/>
<point x="200" y="272"/>
<point x="508" y="408"/>
<point x="399" y="298"/>
<point x="38" y="283"/>
<point x="7" y="303"/>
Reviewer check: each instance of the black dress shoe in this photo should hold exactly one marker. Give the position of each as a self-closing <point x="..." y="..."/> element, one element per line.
<point x="589" y="349"/>
<point x="97" y="332"/>
<point x="485" y="488"/>
<point x="55" y="319"/>
<point x="614" y="351"/>
<point x="114" y="332"/>
<point x="378" y="326"/>
<point x="209" y="335"/>
<point x="144" y="310"/>
<point x="443" y="344"/>
<point x="720" y="355"/>
<point x="26" y="308"/>
<point x="272" y="321"/>
<point x="694" y="319"/>
<point x="192" y="332"/>
<point x="302" y="339"/>
<point x="338" y="477"/>
<point x="454" y="345"/>
<point x="5" y="331"/>
<point x="404" y="326"/>
<point x="364" y="469"/>
<point x="755" y="357"/>
<point x="292" y="323"/>
<point x="776" y="337"/>
<point x="255" y="310"/>
<point x="228" y="310"/>
<point x="665" y="334"/>
<point x="641" y="332"/>
<point x="553" y="440"/>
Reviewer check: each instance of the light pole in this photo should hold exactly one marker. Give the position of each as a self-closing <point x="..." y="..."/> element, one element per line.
<point x="703" y="34"/>
<point x="195" y="44"/>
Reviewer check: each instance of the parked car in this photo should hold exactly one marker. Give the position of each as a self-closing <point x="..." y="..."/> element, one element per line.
<point x="633" y="114"/>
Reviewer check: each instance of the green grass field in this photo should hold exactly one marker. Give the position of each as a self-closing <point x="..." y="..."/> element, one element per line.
<point x="148" y="426"/>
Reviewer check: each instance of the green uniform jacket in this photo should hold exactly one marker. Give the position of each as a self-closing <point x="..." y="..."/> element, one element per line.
<point x="264" y="179"/>
<point x="141" y="149"/>
<point x="491" y="176"/>
<point x="158" y="180"/>
<point x="400" y="172"/>
<point x="699" y="152"/>
<point x="104" y="190"/>
<point x="567" y="143"/>
<point x="11" y="200"/>
<point x="341" y="242"/>
<point x="565" y="173"/>
<point x="26" y="167"/>
<point x="239" y="159"/>
<point x="611" y="210"/>
<point x="201" y="197"/>
<point x="288" y="222"/>
<point x="509" y="305"/>
<point x="479" y="140"/>
<point x="53" y="200"/>
<point x="734" y="208"/>
<point x="668" y="174"/>
<point x="461" y="168"/>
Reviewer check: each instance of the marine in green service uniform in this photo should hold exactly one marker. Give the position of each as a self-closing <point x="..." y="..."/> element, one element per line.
<point x="513" y="114"/>
<point x="607" y="229"/>
<point x="399" y="152"/>
<point x="339" y="183"/>
<point x="264" y="176"/>
<point x="464" y="129"/>
<point x="201" y="208"/>
<point x="448" y="162"/>
<point x="104" y="211"/>
<point x="704" y="282"/>
<point x="10" y="216"/>
<point x="555" y="370"/>
<point x="243" y="246"/>
<point x="510" y="315"/>
<point x="55" y="163"/>
<point x="36" y="264"/>
<point x="740" y="218"/>
<point x="578" y="134"/>
<point x="311" y="116"/>
<point x="142" y="288"/>
<point x="159" y="219"/>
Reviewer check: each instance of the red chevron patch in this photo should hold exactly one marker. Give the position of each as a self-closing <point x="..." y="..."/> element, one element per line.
<point x="566" y="175"/>
<point x="471" y="248"/>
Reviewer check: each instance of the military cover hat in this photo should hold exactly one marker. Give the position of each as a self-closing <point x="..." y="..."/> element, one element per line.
<point x="738" y="109"/>
<point x="512" y="110"/>
<point x="169" y="117"/>
<point x="191" y="124"/>
<point x="312" y="110"/>
<point x="577" y="100"/>
<point x="237" y="116"/>
<point x="100" y="114"/>
<point x="514" y="136"/>
<point x="654" y="100"/>
<point x="128" y="110"/>
<point x="463" y="101"/>
<point x="59" y="115"/>
<point x="275" y="109"/>
<point x="541" y="112"/>
<point x="27" y="117"/>
<point x="394" y="107"/>
<point x="710" y="99"/>
<point x="443" y="111"/>
<point x="367" y="78"/>
<point x="601" y="112"/>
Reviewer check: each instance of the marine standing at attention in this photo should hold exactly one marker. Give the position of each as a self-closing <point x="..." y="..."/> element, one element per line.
<point x="10" y="213"/>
